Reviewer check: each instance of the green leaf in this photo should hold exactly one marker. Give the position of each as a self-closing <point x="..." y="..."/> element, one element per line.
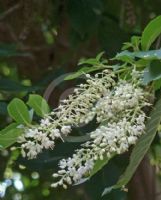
<point x="18" y="111"/>
<point x="39" y="104"/>
<point x="156" y="151"/>
<point x="81" y="181"/>
<point x="93" y="61"/>
<point x="135" y="40"/>
<point x="157" y="84"/>
<point x="99" y="56"/>
<point x="9" y="127"/>
<point x="9" y="135"/>
<point x="150" y="33"/>
<point x="141" y="147"/>
<point x="152" y="72"/>
<point x="126" y="45"/>
<point x="134" y="43"/>
<point x="31" y="113"/>
<point x="83" y="71"/>
<point x="99" y="165"/>
<point x="127" y="56"/>
<point x="148" y="55"/>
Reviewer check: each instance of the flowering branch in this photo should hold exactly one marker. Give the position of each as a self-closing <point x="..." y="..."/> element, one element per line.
<point x="122" y="110"/>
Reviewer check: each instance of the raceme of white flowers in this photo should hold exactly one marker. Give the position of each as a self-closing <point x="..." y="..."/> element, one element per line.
<point x="121" y="110"/>
<point x="75" y="110"/>
<point x="105" y="142"/>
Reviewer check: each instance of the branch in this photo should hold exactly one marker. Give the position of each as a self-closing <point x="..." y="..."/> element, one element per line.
<point x="9" y="11"/>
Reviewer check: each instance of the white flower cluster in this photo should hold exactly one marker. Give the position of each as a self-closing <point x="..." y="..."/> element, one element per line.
<point x="106" y="141"/>
<point x="123" y="97"/>
<point x="121" y="110"/>
<point x="73" y="111"/>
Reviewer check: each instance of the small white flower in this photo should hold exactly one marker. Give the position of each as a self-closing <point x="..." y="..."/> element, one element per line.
<point x="55" y="133"/>
<point x="54" y="185"/>
<point x="63" y="164"/>
<point x="132" y="139"/>
<point x="66" y="129"/>
<point x="45" y="122"/>
<point x="31" y="132"/>
<point x="88" y="75"/>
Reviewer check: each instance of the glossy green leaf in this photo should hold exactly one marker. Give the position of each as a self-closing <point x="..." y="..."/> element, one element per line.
<point x="141" y="147"/>
<point x="148" y="55"/>
<point x="99" y="164"/>
<point x="152" y="72"/>
<point x="128" y="56"/>
<point x="39" y="104"/>
<point x="9" y="135"/>
<point x="150" y="33"/>
<point x="125" y="56"/>
<point x="18" y="111"/>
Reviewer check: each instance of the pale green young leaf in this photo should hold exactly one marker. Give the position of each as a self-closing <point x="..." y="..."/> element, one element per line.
<point x="9" y="135"/>
<point x="39" y="104"/>
<point x="150" y="33"/>
<point x="18" y="111"/>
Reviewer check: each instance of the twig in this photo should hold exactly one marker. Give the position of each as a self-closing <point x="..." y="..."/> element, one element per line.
<point x="9" y="11"/>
